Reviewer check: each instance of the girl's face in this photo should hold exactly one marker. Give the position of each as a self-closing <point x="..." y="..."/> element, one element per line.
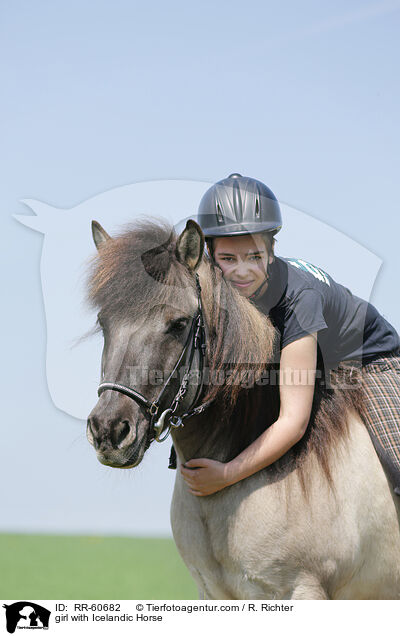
<point x="244" y="261"/>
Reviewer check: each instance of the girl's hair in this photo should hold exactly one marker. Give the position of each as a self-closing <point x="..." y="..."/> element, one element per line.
<point x="268" y="238"/>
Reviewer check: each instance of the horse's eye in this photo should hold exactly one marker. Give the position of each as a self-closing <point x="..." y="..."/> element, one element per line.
<point x="177" y="326"/>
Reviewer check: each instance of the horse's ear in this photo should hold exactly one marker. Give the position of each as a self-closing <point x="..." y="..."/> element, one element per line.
<point x="99" y="234"/>
<point x="190" y="245"/>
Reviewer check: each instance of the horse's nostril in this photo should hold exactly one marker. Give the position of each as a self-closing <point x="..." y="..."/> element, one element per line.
<point x="120" y="430"/>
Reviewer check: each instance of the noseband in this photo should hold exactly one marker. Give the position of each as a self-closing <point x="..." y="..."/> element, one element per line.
<point x="169" y="418"/>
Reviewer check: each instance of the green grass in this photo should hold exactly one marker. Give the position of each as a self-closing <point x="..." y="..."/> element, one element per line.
<point x="83" y="567"/>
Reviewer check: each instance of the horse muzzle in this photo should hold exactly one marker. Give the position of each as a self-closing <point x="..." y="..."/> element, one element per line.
<point x="119" y="443"/>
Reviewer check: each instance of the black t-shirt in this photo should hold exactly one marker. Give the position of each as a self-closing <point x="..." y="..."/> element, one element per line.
<point x="302" y="299"/>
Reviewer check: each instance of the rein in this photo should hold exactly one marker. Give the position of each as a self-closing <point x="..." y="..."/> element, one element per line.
<point x="169" y="418"/>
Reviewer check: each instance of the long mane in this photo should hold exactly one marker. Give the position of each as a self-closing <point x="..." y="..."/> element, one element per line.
<point x="138" y="270"/>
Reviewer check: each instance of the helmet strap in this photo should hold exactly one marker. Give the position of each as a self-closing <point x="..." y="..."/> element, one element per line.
<point x="261" y="289"/>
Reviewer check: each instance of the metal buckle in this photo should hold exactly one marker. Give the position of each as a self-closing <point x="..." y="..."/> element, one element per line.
<point x="153" y="409"/>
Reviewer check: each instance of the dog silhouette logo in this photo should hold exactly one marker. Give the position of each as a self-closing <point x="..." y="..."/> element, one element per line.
<point x="26" y="615"/>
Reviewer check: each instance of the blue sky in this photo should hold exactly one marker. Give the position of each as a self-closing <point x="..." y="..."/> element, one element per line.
<point x="303" y="96"/>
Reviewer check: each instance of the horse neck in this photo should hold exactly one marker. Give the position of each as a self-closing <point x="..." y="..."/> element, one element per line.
<point x="200" y="438"/>
<point x="221" y="435"/>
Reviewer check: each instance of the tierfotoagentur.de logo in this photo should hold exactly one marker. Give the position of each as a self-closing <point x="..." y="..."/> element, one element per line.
<point x="26" y="615"/>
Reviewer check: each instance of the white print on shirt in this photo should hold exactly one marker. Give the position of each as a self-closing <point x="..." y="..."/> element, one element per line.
<point x="307" y="267"/>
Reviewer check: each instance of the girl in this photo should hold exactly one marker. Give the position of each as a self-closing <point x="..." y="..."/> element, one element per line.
<point x="321" y="323"/>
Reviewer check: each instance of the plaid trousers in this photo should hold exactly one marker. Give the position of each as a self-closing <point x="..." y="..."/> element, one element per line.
<point x="381" y="381"/>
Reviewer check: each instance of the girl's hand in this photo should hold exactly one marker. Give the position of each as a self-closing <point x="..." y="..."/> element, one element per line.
<point x="205" y="476"/>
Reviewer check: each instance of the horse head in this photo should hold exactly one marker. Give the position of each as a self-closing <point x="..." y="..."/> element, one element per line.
<point x="144" y="287"/>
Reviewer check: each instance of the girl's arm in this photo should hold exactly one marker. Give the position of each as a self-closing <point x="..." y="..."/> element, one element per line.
<point x="296" y="380"/>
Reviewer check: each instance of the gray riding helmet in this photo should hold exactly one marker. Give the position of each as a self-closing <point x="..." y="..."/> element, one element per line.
<point x="239" y="205"/>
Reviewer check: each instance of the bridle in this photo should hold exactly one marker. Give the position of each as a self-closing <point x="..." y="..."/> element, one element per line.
<point x="169" y="417"/>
